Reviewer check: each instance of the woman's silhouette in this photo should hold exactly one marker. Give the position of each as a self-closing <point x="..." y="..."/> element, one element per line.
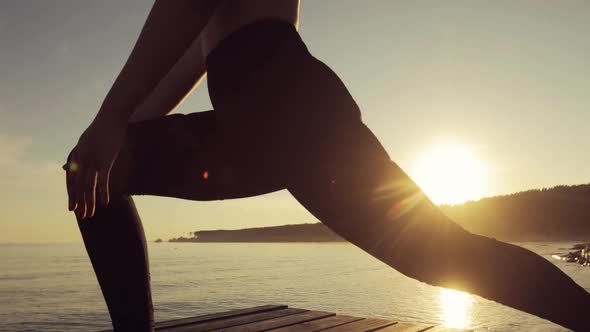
<point x="281" y="120"/>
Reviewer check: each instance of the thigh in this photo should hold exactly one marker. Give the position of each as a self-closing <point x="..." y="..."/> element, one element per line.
<point x="189" y="156"/>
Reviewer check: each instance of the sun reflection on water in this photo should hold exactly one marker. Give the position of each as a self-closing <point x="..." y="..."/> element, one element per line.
<point x="455" y="308"/>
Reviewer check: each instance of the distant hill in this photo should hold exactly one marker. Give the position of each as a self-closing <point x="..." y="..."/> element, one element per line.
<point x="549" y="214"/>
<point x="288" y="233"/>
<point x="552" y="214"/>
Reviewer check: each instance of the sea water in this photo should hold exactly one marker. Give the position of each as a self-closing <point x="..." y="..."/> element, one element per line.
<point x="51" y="287"/>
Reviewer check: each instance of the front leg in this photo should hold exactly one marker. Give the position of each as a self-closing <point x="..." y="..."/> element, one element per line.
<point x="115" y="242"/>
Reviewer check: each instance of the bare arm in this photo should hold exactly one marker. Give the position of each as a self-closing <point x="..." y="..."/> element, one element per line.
<point x="170" y="29"/>
<point x="175" y="87"/>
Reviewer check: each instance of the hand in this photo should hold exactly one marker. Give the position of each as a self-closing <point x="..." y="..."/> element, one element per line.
<point x="89" y="166"/>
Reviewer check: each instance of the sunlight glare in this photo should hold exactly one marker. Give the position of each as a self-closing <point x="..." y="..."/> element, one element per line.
<point x="451" y="174"/>
<point x="455" y="308"/>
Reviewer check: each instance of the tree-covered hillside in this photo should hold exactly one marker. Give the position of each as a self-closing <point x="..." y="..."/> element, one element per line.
<point x="558" y="213"/>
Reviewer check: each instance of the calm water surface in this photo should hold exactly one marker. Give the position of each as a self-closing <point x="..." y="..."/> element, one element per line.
<point x="51" y="287"/>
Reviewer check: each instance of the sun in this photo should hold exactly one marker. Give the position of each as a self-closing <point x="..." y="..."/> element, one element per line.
<point x="451" y="173"/>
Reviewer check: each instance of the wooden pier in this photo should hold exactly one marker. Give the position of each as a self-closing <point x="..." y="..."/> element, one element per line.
<point x="281" y="318"/>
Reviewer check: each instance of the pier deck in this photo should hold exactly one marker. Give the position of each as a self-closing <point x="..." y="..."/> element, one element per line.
<point x="281" y="318"/>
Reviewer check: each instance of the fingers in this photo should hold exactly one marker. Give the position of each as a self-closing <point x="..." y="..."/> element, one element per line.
<point x="89" y="188"/>
<point x="72" y="169"/>
<point x="78" y="184"/>
<point x="70" y="187"/>
<point x="103" y="187"/>
<point x="83" y="190"/>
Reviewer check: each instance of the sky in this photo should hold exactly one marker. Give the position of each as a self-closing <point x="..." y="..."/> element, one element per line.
<point x="506" y="80"/>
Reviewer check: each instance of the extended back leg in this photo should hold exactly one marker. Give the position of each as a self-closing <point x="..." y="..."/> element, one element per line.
<point x="349" y="183"/>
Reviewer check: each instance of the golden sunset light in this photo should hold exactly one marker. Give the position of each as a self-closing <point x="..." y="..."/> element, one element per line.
<point x="294" y="165"/>
<point x="455" y="308"/>
<point x="451" y="173"/>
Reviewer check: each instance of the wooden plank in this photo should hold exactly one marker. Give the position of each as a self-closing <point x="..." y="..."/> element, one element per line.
<point x="406" y="327"/>
<point x="234" y="321"/>
<point x="226" y="314"/>
<point x="363" y="325"/>
<point x="319" y="324"/>
<point x="219" y="315"/>
<point x="278" y="322"/>
<point x="447" y="329"/>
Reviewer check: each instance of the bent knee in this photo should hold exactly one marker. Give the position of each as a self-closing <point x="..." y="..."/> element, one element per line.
<point x="120" y="172"/>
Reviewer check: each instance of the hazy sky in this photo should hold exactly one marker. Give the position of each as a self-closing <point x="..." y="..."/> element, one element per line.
<point x="509" y="79"/>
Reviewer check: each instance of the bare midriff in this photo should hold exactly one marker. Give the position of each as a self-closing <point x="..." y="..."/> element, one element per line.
<point x="231" y="15"/>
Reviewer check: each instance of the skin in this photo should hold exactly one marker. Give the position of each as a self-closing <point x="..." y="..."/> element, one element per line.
<point x="403" y="228"/>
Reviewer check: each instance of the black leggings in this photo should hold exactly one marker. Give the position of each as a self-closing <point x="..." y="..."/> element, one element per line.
<point x="283" y="120"/>
<point x="275" y="107"/>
